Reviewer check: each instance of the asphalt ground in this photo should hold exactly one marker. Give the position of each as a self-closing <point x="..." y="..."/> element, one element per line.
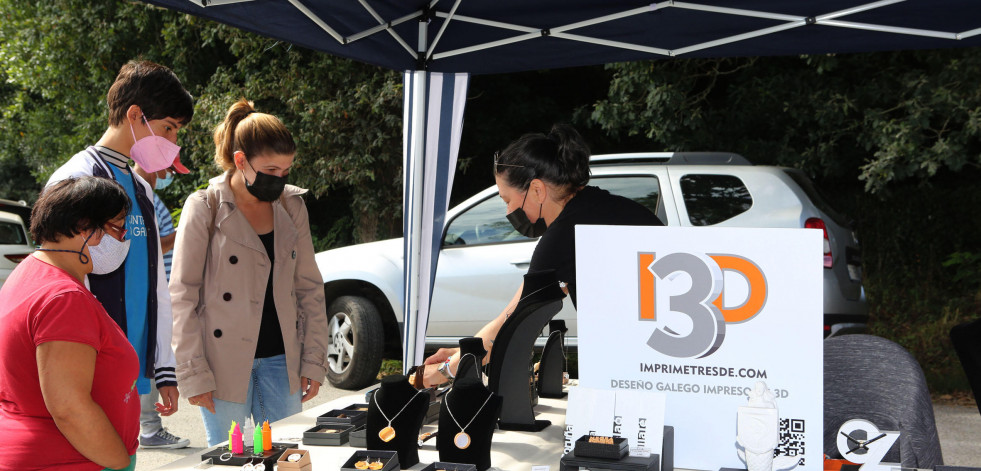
<point x="959" y="426"/>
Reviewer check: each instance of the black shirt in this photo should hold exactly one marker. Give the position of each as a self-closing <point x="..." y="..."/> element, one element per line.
<point x="591" y="205"/>
<point x="270" y="341"/>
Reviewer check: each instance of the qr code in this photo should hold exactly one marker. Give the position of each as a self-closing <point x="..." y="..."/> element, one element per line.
<point x="791" y="439"/>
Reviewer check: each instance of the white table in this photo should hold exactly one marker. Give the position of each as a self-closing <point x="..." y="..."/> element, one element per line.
<point x="510" y="450"/>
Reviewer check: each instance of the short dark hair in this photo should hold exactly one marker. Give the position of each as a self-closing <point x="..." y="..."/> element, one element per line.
<point x="152" y="87"/>
<point x="560" y="158"/>
<point x="74" y="205"/>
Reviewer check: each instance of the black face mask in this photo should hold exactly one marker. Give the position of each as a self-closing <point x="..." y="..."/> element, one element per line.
<point x="265" y="187"/>
<point x="523" y="225"/>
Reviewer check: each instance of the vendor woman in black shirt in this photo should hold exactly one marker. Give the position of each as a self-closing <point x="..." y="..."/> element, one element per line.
<point x="543" y="181"/>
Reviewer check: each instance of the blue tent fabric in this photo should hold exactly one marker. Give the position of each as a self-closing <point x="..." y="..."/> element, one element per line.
<point x="500" y="36"/>
<point x="665" y="29"/>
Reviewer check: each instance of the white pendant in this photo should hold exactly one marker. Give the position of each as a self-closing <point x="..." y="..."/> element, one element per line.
<point x="461" y="440"/>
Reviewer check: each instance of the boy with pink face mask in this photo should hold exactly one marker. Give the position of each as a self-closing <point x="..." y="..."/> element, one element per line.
<point x="148" y="105"/>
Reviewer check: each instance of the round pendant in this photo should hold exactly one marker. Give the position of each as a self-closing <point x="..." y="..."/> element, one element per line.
<point x="376" y="465"/>
<point x="387" y="434"/>
<point x="361" y="465"/>
<point x="461" y="440"/>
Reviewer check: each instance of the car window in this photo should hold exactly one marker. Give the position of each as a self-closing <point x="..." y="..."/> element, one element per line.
<point x="644" y="190"/>
<point x="711" y="199"/>
<point x="816" y="197"/>
<point x="486" y="222"/>
<point x="483" y="223"/>
<point x="12" y="234"/>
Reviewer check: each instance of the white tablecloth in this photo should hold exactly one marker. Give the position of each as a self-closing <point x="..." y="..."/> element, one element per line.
<point x="513" y="451"/>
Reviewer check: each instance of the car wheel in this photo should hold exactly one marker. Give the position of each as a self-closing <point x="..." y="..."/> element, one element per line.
<point x="357" y="341"/>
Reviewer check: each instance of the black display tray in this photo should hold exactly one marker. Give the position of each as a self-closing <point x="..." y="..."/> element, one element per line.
<point x="443" y="466"/>
<point x="343" y="416"/>
<point x="663" y="462"/>
<point x="327" y="434"/>
<point x="358" y="437"/>
<point x="363" y="407"/>
<point x="390" y="458"/>
<point x="238" y="459"/>
<point x="586" y="449"/>
<point x="629" y="463"/>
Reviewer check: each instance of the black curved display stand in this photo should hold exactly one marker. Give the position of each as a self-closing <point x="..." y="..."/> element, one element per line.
<point x="471" y="349"/>
<point x="395" y="393"/>
<point x="552" y="365"/>
<point x="475" y="408"/>
<point x="511" y="375"/>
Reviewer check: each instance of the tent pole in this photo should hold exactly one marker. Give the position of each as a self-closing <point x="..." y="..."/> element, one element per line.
<point x="417" y="153"/>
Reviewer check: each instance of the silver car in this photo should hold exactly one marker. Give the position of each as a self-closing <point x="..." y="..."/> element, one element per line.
<point x="483" y="258"/>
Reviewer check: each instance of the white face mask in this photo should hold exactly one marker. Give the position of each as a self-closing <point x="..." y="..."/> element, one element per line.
<point x="109" y="255"/>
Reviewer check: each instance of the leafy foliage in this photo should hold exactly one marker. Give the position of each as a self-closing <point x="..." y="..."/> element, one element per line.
<point x="885" y="117"/>
<point x="59" y="58"/>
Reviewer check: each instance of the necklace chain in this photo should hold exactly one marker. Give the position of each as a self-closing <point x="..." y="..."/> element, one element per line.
<point x="375" y="398"/>
<point x="450" y="410"/>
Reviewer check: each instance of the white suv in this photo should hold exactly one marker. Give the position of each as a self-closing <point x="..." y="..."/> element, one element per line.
<point x="15" y="243"/>
<point x="483" y="258"/>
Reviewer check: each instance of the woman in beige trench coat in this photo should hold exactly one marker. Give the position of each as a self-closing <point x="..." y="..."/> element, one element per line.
<point x="250" y="325"/>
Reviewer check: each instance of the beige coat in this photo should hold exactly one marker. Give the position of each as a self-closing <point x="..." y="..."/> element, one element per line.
<point x="218" y="284"/>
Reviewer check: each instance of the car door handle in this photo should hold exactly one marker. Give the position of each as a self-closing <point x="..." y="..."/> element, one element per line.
<point x="521" y="263"/>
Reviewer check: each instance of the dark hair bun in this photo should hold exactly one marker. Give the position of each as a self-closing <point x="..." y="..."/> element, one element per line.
<point x="561" y="158"/>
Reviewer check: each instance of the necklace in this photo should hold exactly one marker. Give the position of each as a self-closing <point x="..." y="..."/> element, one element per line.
<point x="462" y="439"/>
<point x="388" y="433"/>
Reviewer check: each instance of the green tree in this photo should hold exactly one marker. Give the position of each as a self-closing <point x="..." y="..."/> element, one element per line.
<point x="883" y="117"/>
<point x="58" y="58"/>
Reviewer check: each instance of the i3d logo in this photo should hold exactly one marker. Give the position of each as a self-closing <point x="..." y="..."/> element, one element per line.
<point x="701" y="307"/>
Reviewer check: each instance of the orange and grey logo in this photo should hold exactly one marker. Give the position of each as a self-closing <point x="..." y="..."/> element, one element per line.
<point x="702" y="303"/>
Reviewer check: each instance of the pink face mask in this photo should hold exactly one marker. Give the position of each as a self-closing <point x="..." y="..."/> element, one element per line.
<point x="153" y="153"/>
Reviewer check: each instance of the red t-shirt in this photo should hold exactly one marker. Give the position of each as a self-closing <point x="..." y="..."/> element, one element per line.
<point x="41" y="303"/>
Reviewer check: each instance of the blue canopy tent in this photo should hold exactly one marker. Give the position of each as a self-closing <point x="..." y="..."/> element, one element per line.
<point x="428" y="39"/>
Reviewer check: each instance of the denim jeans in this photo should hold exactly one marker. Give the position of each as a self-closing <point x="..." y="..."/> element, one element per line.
<point x="150" y="422"/>
<point x="268" y="398"/>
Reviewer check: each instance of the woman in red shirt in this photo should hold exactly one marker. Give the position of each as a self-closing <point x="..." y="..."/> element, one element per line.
<point x="67" y="381"/>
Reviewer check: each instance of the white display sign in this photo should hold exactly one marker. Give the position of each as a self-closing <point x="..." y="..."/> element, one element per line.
<point x="701" y="315"/>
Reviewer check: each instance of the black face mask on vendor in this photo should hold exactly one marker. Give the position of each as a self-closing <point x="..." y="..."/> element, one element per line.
<point x="523" y="225"/>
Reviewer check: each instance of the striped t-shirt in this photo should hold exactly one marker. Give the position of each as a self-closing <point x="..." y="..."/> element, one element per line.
<point x="166" y="227"/>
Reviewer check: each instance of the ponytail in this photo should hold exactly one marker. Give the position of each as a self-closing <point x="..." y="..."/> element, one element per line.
<point x="244" y="129"/>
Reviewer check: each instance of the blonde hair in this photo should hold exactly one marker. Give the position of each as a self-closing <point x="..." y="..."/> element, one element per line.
<point x="244" y="129"/>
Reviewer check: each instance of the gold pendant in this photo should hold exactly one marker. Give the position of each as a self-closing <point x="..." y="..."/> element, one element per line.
<point x="376" y="464"/>
<point x="361" y="465"/>
<point x="461" y="440"/>
<point x="387" y="434"/>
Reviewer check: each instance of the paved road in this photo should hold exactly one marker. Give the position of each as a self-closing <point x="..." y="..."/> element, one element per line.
<point x="959" y="428"/>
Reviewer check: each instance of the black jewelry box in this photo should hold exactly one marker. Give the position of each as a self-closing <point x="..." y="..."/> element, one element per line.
<point x="586" y="449"/>
<point x="441" y="466"/>
<point x="221" y="456"/>
<point x="343" y="416"/>
<point x="363" y="407"/>
<point x="327" y="434"/>
<point x="358" y="437"/>
<point x="389" y="458"/>
<point x="664" y="461"/>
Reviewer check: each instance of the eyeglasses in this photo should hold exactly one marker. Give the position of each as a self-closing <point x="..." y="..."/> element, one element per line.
<point x="497" y="156"/>
<point x="115" y="231"/>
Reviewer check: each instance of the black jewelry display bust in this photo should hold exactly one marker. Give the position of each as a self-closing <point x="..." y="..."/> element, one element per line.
<point x="551" y="369"/>
<point x="475" y="409"/>
<point x="472" y="355"/>
<point x="511" y="374"/>
<point x="394" y="393"/>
